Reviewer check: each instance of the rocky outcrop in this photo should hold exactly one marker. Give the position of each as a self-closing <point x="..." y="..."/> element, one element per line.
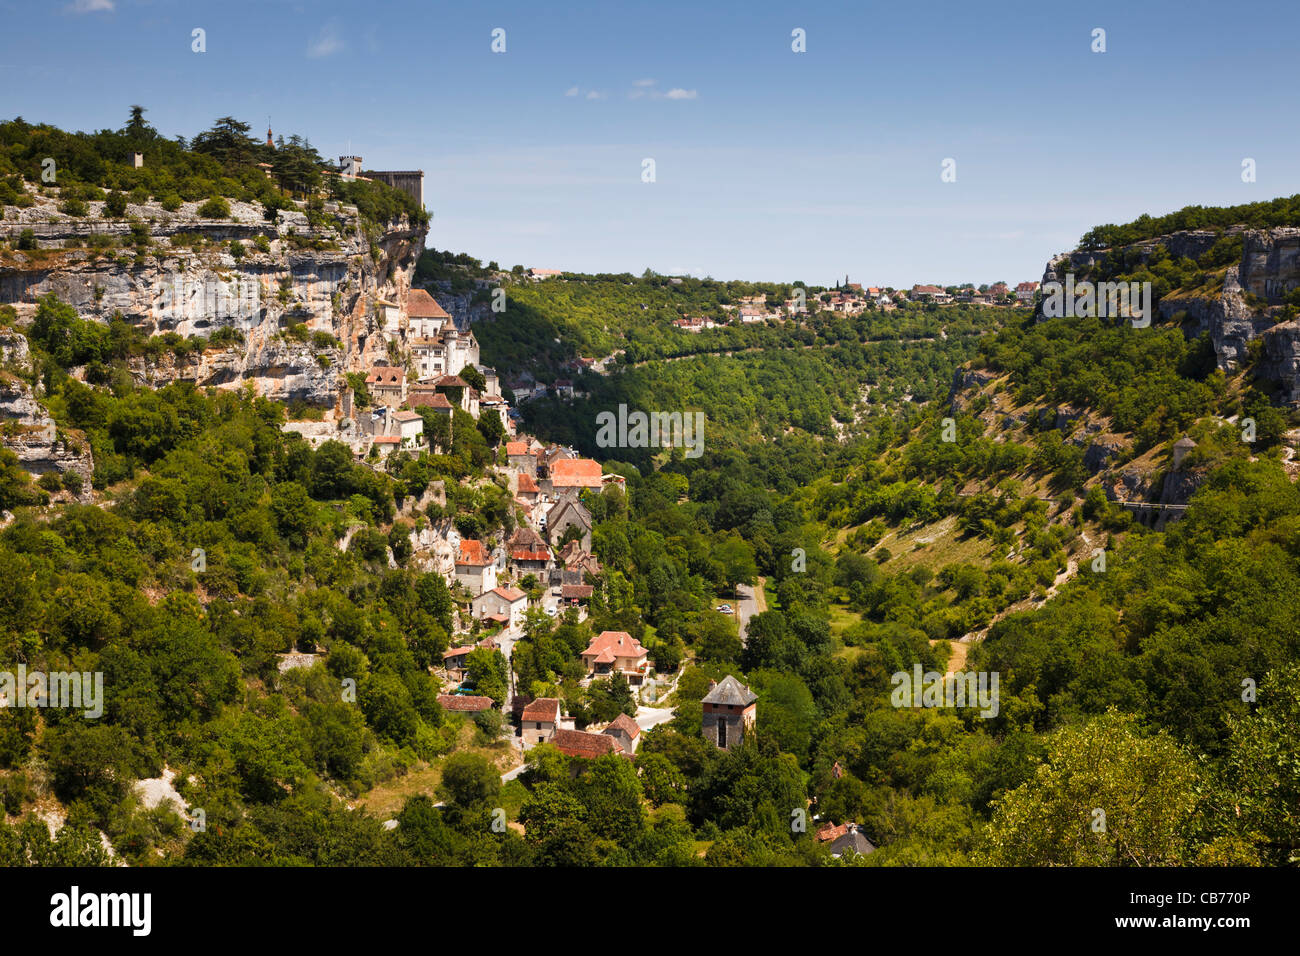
<point x="26" y="428"/>
<point x="323" y="272"/>
<point x="281" y="369"/>
<point x="966" y="383"/>
<point x="1231" y="323"/>
<point x="1102" y="452"/>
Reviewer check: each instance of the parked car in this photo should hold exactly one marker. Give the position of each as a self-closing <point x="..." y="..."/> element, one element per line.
<point x="724" y="609"/>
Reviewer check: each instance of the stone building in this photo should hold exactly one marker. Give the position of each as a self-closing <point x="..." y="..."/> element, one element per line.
<point x="729" y="713"/>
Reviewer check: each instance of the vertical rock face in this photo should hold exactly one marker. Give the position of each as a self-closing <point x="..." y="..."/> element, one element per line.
<point x="300" y="293"/>
<point x="1280" y="359"/>
<point x="1247" y="308"/>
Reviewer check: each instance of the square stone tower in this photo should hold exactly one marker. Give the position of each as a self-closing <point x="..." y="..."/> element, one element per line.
<point x="729" y="713"/>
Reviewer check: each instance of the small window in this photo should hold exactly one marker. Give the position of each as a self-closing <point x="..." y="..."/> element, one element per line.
<point x="722" y="733"/>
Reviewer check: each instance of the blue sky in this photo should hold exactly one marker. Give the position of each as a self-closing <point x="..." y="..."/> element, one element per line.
<point x="769" y="164"/>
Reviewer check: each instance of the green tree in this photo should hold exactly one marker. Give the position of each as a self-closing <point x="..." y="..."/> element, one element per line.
<point x="469" y="781"/>
<point x="1105" y="796"/>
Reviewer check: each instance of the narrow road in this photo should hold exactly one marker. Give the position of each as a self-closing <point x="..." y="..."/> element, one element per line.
<point x="750" y="600"/>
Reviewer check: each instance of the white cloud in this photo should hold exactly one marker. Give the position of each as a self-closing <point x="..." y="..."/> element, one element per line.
<point x="92" y="6"/>
<point x="327" y="42"/>
<point x="593" y="95"/>
<point x="571" y="91"/>
<point x="645" y="89"/>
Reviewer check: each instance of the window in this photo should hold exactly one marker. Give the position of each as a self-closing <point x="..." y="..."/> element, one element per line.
<point x="722" y="733"/>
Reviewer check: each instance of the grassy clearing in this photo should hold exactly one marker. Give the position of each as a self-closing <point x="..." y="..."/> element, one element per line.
<point x="387" y="799"/>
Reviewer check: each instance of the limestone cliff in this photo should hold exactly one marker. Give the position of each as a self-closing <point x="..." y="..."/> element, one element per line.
<point x="274" y="282"/>
<point x="1248" y="306"/>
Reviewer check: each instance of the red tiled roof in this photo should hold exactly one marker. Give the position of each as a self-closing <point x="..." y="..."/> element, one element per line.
<point x="832" y="832"/>
<point x="577" y="743"/>
<point x="464" y="703"/>
<point x="576" y="592"/>
<point x="451" y="381"/>
<point x="421" y="305"/>
<point x="473" y="553"/>
<point x="575" y="473"/>
<point x="507" y="594"/>
<point x="526" y="554"/>
<point x="516" y="448"/>
<point x="426" y="399"/>
<point x="545" y="709"/>
<point x="527" y="484"/>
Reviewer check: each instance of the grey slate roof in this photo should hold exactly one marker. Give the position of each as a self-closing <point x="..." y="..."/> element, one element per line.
<point x="731" y="691"/>
<point x="579" y="509"/>
<point x="853" y="840"/>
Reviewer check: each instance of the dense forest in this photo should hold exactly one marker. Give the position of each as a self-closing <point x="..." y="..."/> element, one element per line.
<point x="1256" y="215"/>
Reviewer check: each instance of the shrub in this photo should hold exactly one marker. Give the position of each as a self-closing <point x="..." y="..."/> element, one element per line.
<point x="114" y="205"/>
<point x="237" y="249"/>
<point x="215" y="208"/>
<point x="171" y="202"/>
<point x="27" y="239"/>
<point x="73" y="207"/>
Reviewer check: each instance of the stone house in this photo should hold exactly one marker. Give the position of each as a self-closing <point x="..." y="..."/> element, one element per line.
<point x="540" y="720"/>
<point x="387" y="384"/>
<point x="521" y="458"/>
<point x="506" y="605"/>
<point x="624" y="729"/>
<point x="475" y="567"/>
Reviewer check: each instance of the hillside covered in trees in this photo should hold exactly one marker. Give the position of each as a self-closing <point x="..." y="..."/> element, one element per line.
<point x="891" y="483"/>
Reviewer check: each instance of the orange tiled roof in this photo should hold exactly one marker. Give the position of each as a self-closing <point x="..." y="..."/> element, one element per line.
<point x="575" y="473"/>
<point x="545" y="709"/>
<point x="615" y="643"/>
<point x="474" y="553"/>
